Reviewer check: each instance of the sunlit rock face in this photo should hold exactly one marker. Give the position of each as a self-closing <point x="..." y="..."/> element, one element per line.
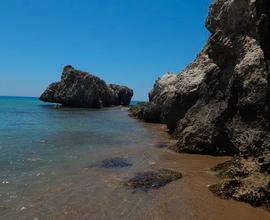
<point x="219" y="104"/>
<point x="81" y="89"/>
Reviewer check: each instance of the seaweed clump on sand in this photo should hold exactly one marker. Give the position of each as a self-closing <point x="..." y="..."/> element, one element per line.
<point x="116" y="162"/>
<point x="149" y="180"/>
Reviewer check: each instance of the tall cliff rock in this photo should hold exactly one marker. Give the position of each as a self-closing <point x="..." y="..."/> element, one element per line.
<point x="81" y="89"/>
<point x="219" y="104"/>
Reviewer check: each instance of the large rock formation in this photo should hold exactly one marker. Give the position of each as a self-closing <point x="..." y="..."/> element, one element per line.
<point x="219" y="104"/>
<point x="81" y="89"/>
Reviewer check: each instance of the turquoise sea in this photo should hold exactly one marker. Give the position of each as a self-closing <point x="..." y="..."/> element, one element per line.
<point x="48" y="158"/>
<point x="50" y="168"/>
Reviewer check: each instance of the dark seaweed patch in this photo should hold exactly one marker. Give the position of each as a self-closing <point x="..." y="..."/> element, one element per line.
<point x="116" y="162"/>
<point x="146" y="181"/>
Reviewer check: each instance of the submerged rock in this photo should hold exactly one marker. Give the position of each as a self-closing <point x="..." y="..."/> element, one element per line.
<point x="81" y="89"/>
<point x="146" y="181"/>
<point x="220" y="104"/>
<point x="116" y="162"/>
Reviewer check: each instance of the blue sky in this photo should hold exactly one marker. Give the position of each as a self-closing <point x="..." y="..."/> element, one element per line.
<point x="129" y="42"/>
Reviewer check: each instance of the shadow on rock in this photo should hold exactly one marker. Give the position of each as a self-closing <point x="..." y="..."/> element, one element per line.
<point x="146" y="181"/>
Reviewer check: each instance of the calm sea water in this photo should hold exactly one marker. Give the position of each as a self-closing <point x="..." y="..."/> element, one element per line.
<point x="47" y="159"/>
<point x="48" y="168"/>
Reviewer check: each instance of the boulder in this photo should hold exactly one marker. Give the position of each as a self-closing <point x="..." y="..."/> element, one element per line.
<point x="81" y="89"/>
<point x="245" y="180"/>
<point x="220" y="103"/>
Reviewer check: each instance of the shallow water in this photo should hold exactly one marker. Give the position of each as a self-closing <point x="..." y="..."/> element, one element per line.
<point x="49" y="168"/>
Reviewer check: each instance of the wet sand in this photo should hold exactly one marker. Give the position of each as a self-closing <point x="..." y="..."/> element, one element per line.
<point x="189" y="198"/>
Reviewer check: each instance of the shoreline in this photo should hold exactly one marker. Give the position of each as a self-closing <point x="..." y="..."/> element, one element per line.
<point x="68" y="185"/>
<point x="219" y="104"/>
<point x="193" y="187"/>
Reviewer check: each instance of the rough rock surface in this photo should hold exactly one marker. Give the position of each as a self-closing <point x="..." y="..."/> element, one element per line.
<point x="81" y="89"/>
<point x="245" y="180"/>
<point x="219" y="104"/>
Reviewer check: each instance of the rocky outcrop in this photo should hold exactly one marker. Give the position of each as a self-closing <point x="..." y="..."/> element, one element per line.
<point x="149" y="112"/>
<point x="245" y="180"/>
<point x="219" y="104"/>
<point x="81" y="89"/>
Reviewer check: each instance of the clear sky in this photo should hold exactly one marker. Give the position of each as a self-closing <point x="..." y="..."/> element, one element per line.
<point x="129" y="42"/>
